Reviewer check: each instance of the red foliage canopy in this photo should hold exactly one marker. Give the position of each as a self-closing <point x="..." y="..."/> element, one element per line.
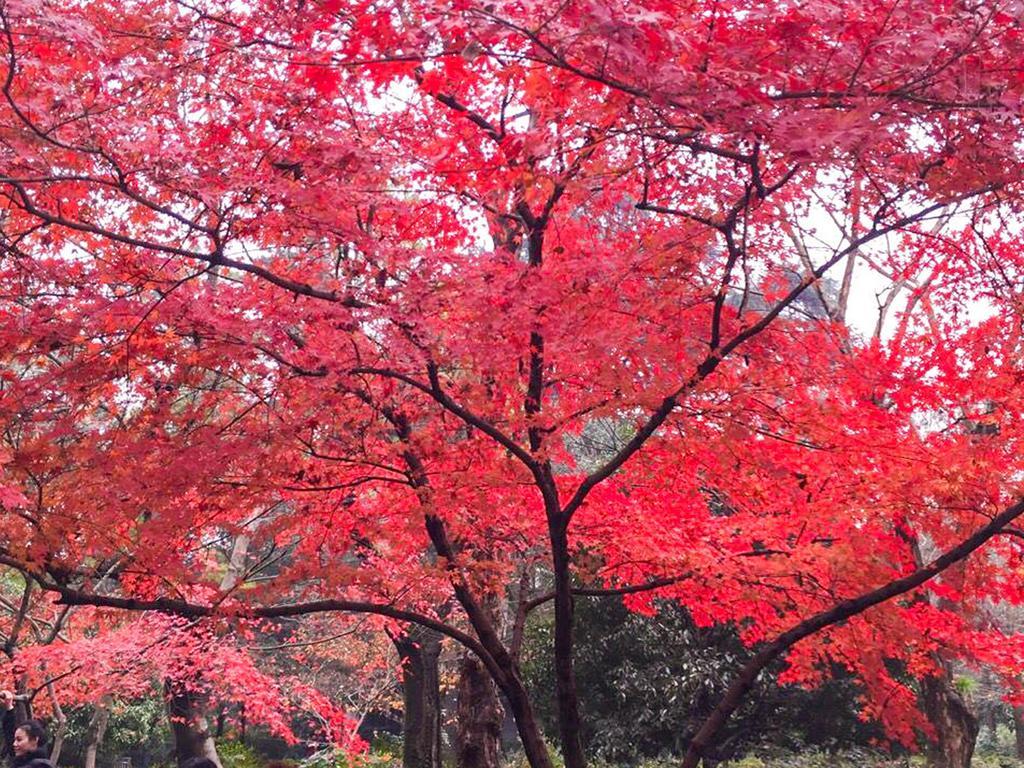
<point x="418" y="295"/>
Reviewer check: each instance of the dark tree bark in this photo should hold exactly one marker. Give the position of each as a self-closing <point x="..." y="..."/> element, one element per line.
<point x="567" y="698"/>
<point x="956" y="727"/>
<point x="189" y="725"/>
<point x="419" y="650"/>
<point x="479" y="717"/>
<point x="222" y="719"/>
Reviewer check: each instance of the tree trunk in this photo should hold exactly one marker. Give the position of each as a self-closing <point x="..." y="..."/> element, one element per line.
<point x="97" y="730"/>
<point x="59" y="734"/>
<point x="189" y="726"/>
<point x="222" y="720"/>
<point x="568" y="707"/>
<point x="22" y="700"/>
<point x="1018" y="730"/>
<point x="419" y="650"/>
<point x="61" y="722"/>
<point x="956" y="728"/>
<point x="992" y="721"/>
<point x="479" y="717"/>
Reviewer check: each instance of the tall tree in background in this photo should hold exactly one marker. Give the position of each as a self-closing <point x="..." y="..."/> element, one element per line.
<point x="379" y="264"/>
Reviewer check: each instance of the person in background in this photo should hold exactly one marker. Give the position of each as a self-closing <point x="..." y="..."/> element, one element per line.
<point x="24" y="743"/>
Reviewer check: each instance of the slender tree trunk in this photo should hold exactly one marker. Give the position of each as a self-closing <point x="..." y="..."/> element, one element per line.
<point x="1018" y="730"/>
<point x="97" y="730"/>
<point x="500" y="663"/>
<point x="479" y="717"/>
<point x="956" y="727"/>
<point x="569" y="721"/>
<point x="992" y="721"/>
<point x="527" y="726"/>
<point x="222" y="719"/>
<point x="480" y="714"/>
<point x="189" y="725"/>
<point x="419" y="650"/>
<point x="22" y="703"/>
<point x="62" y="725"/>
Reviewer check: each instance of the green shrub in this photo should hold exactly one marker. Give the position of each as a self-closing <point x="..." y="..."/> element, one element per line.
<point x="995" y="761"/>
<point x="235" y="754"/>
<point x="816" y="758"/>
<point x="518" y="760"/>
<point x="386" y="745"/>
<point x="329" y="758"/>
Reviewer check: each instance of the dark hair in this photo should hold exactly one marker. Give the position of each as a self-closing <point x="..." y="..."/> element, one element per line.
<point x="198" y="762"/>
<point x="35" y="731"/>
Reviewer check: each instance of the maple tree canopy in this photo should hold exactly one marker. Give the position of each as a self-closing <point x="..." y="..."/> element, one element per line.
<point x="422" y="296"/>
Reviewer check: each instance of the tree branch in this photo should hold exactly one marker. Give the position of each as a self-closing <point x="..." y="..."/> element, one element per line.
<point x="843" y="610"/>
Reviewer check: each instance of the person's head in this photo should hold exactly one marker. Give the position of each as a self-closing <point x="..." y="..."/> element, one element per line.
<point x="28" y="737"/>
<point x="198" y="762"/>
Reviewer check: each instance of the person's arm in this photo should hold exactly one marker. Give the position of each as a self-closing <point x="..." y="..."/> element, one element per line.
<point x="7" y="705"/>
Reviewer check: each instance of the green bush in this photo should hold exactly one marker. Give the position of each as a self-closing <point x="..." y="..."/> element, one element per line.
<point x="329" y="758"/>
<point x="235" y="754"/>
<point x="647" y="683"/>
<point x="816" y="758"/>
<point x="995" y="761"/>
<point x="518" y="760"/>
<point x="386" y="746"/>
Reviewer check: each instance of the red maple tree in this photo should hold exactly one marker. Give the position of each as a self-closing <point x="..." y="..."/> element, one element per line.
<point x="368" y="282"/>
